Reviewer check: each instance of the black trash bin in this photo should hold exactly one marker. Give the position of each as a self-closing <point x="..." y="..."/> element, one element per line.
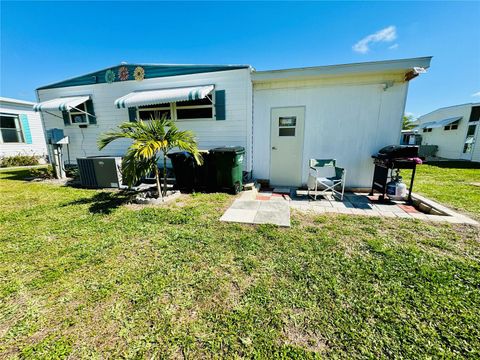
<point x="228" y="162"/>
<point x="205" y="178"/>
<point x="184" y="168"/>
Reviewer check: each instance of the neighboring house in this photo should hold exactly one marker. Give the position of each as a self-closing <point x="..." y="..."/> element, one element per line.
<point x="21" y="130"/>
<point x="454" y="130"/>
<point x="410" y="137"/>
<point x="282" y="117"/>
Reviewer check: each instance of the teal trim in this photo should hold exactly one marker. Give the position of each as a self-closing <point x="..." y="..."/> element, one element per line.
<point x="151" y="71"/>
<point x="89" y="106"/>
<point x="132" y="114"/>
<point x="220" y="106"/>
<point x="66" y="118"/>
<point x="27" y="134"/>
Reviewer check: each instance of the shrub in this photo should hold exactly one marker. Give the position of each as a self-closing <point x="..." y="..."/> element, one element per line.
<point x="72" y="171"/>
<point x="43" y="173"/>
<point x="19" y="160"/>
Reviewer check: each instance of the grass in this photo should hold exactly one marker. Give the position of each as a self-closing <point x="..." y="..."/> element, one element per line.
<point x="451" y="183"/>
<point x="82" y="275"/>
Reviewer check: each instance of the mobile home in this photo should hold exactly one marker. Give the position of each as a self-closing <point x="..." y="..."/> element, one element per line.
<point x="282" y="117"/>
<point x="454" y="130"/>
<point x="21" y="129"/>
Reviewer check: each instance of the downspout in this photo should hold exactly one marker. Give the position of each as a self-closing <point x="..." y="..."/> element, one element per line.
<point x="251" y="142"/>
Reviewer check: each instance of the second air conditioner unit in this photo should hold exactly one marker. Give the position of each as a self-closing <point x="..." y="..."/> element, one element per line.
<point x="100" y="171"/>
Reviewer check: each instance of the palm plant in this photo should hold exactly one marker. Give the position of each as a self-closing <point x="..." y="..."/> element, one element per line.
<point x="152" y="140"/>
<point x="408" y="122"/>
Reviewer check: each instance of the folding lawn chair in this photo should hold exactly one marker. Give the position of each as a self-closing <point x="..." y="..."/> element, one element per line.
<point x="321" y="183"/>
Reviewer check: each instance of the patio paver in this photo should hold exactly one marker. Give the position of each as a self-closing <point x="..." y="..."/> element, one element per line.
<point x="274" y="210"/>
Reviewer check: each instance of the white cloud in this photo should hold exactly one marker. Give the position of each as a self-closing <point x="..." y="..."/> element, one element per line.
<point x="385" y="35"/>
<point x="393" y="47"/>
<point x="477" y="94"/>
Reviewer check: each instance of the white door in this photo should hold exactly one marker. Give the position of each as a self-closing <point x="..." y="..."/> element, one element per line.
<point x="470" y="140"/>
<point x="286" y="141"/>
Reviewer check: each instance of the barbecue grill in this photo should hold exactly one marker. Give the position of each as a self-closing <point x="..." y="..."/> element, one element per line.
<point x="389" y="159"/>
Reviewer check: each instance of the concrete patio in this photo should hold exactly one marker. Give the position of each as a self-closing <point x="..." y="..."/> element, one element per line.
<point x="248" y="209"/>
<point x="269" y="207"/>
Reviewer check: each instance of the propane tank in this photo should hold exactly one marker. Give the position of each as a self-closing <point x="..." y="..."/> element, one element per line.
<point x="396" y="189"/>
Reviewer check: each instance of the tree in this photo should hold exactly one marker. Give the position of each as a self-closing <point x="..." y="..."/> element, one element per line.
<point x="152" y="140"/>
<point x="407" y="123"/>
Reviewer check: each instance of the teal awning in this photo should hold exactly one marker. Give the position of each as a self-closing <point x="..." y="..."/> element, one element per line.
<point x="439" y="123"/>
<point x="61" y="104"/>
<point x="163" y="96"/>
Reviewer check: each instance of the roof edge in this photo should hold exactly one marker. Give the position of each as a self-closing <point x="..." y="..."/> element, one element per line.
<point x="340" y="69"/>
<point x="16" y="101"/>
<point x="66" y="82"/>
<point x="451" y="106"/>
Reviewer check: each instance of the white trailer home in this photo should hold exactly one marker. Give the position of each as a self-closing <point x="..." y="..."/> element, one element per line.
<point x="282" y="118"/>
<point x="454" y="129"/>
<point x="21" y="130"/>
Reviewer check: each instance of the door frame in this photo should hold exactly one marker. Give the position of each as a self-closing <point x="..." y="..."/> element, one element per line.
<point x="302" y="147"/>
<point x="475" y="135"/>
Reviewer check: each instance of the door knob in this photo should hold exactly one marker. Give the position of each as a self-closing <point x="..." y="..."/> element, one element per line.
<point x="274" y="148"/>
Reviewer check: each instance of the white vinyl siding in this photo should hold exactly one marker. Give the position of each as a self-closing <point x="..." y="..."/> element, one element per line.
<point x="346" y="122"/>
<point x="234" y="131"/>
<point x="38" y="146"/>
<point x="450" y="143"/>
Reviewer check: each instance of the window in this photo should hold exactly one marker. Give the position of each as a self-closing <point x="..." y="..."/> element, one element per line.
<point x="452" y="126"/>
<point x="78" y="117"/>
<point x="470" y="140"/>
<point x="427" y="130"/>
<point x="286" y="125"/>
<point x="475" y="114"/>
<point x="10" y="129"/>
<point x="153" y="112"/>
<point x="194" y="109"/>
<point x="201" y="109"/>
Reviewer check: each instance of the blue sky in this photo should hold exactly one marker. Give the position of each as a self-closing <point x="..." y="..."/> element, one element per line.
<point x="44" y="42"/>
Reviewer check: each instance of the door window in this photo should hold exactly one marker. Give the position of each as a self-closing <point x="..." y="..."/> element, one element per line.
<point x="286" y="125"/>
<point x="470" y="140"/>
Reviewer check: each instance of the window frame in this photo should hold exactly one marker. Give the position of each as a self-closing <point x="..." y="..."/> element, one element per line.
<point x="427" y="130"/>
<point x="158" y="108"/>
<point x="452" y="126"/>
<point x="76" y="112"/>
<point x="18" y="128"/>
<point x="173" y="106"/>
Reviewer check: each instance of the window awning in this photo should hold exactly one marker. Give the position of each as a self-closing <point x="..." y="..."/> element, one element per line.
<point x="425" y="125"/>
<point x="439" y="123"/>
<point x="61" y="104"/>
<point x="163" y="96"/>
<point x="445" y="122"/>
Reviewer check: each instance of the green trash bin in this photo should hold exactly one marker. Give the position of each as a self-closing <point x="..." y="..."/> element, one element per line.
<point x="228" y="163"/>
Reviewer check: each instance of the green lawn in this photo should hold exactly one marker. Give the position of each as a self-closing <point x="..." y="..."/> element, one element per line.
<point x="451" y="185"/>
<point x="84" y="276"/>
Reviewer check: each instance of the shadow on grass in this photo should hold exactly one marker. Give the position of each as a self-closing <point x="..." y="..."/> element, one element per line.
<point x="14" y="174"/>
<point x="454" y="164"/>
<point x="104" y="202"/>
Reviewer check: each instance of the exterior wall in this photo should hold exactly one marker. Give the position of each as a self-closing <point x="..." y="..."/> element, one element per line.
<point x="234" y="131"/>
<point x="450" y="143"/>
<point x="476" y="149"/>
<point x="345" y="119"/>
<point x="38" y="146"/>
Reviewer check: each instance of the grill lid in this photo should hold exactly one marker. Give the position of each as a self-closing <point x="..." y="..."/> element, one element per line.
<point x="398" y="151"/>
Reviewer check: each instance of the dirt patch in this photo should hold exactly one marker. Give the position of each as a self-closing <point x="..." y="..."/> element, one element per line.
<point x="296" y="336"/>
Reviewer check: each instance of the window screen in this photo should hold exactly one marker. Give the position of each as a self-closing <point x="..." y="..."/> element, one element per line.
<point x="10" y="129"/>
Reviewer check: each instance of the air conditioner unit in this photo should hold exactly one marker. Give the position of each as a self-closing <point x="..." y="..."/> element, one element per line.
<point x="100" y="171"/>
